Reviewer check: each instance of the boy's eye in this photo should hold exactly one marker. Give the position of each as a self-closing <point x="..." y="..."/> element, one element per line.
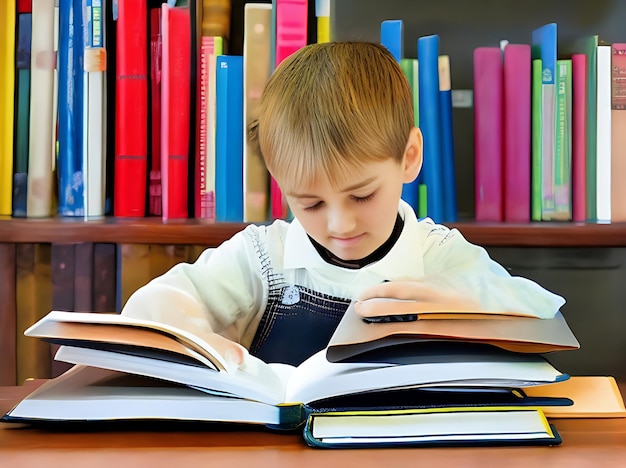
<point x="364" y="199"/>
<point x="314" y="206"/>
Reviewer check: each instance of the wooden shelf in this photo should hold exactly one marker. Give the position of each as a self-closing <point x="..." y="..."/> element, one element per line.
<point x="199" y="232"/>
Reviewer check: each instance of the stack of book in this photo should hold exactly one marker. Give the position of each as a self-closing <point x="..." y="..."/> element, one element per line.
<point x="439" y="379"/>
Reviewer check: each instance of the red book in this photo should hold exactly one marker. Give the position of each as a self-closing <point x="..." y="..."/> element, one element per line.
<point x="131" y="110"/>
<point x="517" y="118"/>
<point x="175" y="110"/>
<point x="579" y="137"/>
<point x="154" y="191"/>
<point x="488" y="131"/>
<point x="291" y="35"/>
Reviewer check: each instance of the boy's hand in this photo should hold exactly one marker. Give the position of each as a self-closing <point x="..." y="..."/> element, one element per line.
<point x="410" y="297"/>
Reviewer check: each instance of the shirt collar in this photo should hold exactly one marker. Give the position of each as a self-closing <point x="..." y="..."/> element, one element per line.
<point x="300" y="252"/>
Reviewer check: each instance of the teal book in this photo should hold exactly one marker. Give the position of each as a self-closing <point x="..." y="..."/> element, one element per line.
<point x="562" y="181"/>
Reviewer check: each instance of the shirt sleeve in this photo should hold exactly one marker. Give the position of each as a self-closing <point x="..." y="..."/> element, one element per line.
<point x="218" y="293"/>
<point x="454" y="262"/>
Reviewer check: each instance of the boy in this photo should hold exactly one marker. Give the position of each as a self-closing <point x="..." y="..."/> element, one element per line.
<point x="335" y="128"/>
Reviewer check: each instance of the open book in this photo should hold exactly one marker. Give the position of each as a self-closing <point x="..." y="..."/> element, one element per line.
<point x="129" y="369"/>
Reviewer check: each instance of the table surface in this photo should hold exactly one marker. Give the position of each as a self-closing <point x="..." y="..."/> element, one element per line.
<point x="586" y="442"/>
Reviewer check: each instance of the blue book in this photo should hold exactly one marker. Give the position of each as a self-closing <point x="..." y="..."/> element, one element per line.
<point x="229" y="136"/>
<point x="392" y="37"/>
<point x="22" y="114"/>
<point x="430" y="125"/>
<point x="544" y="47"/>
<point x="447" y="141"/>
<point x="71" y="199"/>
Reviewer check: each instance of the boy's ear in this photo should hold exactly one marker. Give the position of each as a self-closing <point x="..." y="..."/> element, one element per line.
<point x="412" y="160"/>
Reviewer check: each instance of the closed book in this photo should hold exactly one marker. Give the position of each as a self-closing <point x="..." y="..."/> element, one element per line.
<point x="544" y="47"/>
<point x="8" y="315"/>
<point x="603" y="133"/>
<point x="430" y="124"/>
<point x="22" y="111"/>
<point x="256" y="71"/>
<point x="488" y="133"/>
<point x="155" y="203"/>
<point x="94" y="110"/>
<point x="536" y="142"/>
<point x="70" y="173"/>
<point x="322" y="15"/>
<point x="618" y="132"/>
<point x="42" y="137"/>
<point x="517" y="136"/>
<point x="290" y="35"/>
<point x="579" y="137"/>
<point x="175" y="110"/>
<point x="7" y="103"/>
<point x="448" y="179"/>
<point x="131" y="109"/>
<point x="229" y="141"/>
<point x="392" y="37"/>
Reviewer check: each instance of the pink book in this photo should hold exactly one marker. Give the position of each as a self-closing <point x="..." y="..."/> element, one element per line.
<point x="488" y="133"/>
<point x="517" y="118"/>
<point x="579" y="136"/>
<point x="291" y="35"/>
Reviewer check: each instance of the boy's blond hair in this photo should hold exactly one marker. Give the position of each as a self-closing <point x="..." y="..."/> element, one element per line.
<point x="331" y="107"/>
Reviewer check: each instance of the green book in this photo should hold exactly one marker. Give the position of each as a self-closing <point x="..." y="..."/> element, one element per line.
<point x="535" y="196"/>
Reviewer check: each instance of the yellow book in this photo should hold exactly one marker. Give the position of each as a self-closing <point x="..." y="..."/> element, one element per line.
<point x="7" y="78"/>
<point x="322" y="13"/>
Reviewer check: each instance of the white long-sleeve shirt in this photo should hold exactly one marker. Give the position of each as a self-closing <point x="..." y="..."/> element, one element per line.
<point x="227" y="290"/>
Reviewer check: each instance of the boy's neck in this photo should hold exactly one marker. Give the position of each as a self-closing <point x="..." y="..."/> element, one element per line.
<point x="379" y="253"/>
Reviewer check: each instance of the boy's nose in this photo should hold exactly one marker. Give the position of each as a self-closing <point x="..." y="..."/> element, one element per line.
<point x="341" y="222"/>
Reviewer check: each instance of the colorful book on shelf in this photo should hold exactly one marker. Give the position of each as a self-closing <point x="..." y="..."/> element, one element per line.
<point x="175" y="110"/>
<point x="444" y="377"/>
<point x="7" y="103"/>
<point x="291" y="35"/>
<point x="392" y="37"/>
<point x="22" y="108"/>
<point x="536" y="141"/>
<point x="448" y="178"/>
<point x="256" y="71"/>
<point x="131" y="109"/>
<point x="562" y="176"/>
<point x="430" y="125"/>
<point x="409" y="68"/>
<point x="579" y="137"/>
<point x="8" y="315"/>
<point x="603" y="133"/>
<point x="94" y="109"/>
<point x="42" y="137"/>
<point x="516" y="154"/>
<point x="155" y="203"/>
<point x="618" y="132"/>
<point x="70" y="173"/>
<point x="322" y="15"/>
<point x="228" y="139"/>
<point x="210" y="48"/>
<point x="544" y="47"/>
<point x="488" y="133"/>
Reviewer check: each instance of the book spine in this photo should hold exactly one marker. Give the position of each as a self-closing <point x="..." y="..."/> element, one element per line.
<point x="41" y="139"/>
<point x="8" y="315"/>
<point x="590" y="48"/>
<point x="430" y="123"/>
<point x="94" y="159"/>
<point x="408" y="66"/>
<point x="562" y="185"/>
<point x="603" y="135"/>
<point x="322" y="15"/>
<point x="256" y="73"/>
<point x="618" y="132"/>
<point x="155" y="189"/>
<point x="175" y="108"/>
<point x="447" y="140"/>
<point x="22" y="112"/>
<point x="488" y="131"/>
<point x="517" y="134"/>
<point x="131" y="110"/>
<point x="291" y="35"/>
<point x="229" y="147"/>
<point x="536" y="146"/>
<point x="71" y="195"/>
<point x="392" y="37"/>
<point x="544" y="47"/>
<point x="579" y="136"/>
<point x="7" y="109"/>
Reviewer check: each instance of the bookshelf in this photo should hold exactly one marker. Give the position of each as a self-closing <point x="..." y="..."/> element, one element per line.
<point x="201" y="232"/>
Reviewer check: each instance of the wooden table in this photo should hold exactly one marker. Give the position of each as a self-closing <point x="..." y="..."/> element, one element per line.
<point x="598" y="443"/>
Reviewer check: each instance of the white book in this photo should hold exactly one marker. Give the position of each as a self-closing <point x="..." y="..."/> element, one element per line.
<point x="603" y="145"/>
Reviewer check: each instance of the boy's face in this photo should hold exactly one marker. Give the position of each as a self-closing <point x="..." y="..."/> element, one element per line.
<point x="355" y="217"/>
